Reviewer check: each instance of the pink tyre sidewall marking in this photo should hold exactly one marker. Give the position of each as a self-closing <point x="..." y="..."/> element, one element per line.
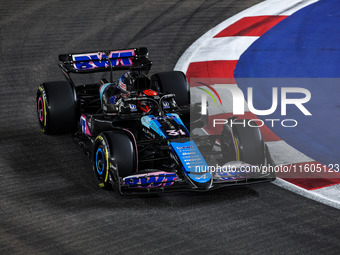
<point x="41" y="109"/>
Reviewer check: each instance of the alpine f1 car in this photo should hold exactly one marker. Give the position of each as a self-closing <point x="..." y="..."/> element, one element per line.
<point x="145" y="145"/>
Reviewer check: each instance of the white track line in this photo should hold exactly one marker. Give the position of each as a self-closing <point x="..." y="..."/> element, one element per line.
<point x="282" y="153"/>
<point x="216" y="48"/>
<point x="328" y="195"/>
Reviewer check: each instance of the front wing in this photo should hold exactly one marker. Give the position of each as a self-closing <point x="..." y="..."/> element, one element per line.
<point x="161" y="181"/>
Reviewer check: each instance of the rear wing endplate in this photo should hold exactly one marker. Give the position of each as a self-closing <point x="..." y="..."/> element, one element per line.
<point x="126" y="59"/>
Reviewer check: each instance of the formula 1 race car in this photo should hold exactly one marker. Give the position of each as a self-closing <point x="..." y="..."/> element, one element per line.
<point x="145" y="146"/>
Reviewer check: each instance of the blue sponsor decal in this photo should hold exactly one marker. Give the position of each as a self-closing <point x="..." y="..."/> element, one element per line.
<point x="150" y="180"/>
<point x="99" y="60"/>
<point x="192" y="160"/>
<point x="133" y="107"/>
<point x="166" y="105"/>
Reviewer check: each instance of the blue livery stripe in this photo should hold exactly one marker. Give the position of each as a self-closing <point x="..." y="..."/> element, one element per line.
<point x="192" y="160"/>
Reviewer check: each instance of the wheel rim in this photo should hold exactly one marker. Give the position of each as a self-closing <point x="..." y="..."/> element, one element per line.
<point x="100" y="161"/>
<point x="41" y="110"/>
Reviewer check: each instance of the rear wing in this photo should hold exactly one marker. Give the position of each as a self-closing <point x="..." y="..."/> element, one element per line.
<point x="127" y="59"/>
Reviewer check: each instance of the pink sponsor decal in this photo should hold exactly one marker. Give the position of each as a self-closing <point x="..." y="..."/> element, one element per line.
<point x="84" y="126"/>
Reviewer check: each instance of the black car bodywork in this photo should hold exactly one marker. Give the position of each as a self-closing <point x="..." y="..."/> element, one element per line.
<point x="154" y="152"/>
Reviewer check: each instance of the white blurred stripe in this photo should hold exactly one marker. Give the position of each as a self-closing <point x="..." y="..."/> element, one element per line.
<point x="223" y="48"/>
<point x="277" y="7"/>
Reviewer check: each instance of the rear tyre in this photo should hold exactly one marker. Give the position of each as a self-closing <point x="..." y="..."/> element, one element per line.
<point x="249" y="142"/>
<point x="173" y="82"/>
<point x="57" y="107"/>
<point x="114" y="156"/>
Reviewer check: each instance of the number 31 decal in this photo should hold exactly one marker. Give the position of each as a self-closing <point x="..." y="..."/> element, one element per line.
<point x="175" y="132"/>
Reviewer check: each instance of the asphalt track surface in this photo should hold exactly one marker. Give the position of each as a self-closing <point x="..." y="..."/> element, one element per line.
<point x="50" y="203"/>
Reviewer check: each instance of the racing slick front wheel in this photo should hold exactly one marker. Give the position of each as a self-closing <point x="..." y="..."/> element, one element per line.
<point x="173" y="82"/>
<point x="57" y="107"/>
<point x="249" y="143"/>
<point x="114" y="157"/>
<point x="228" y="146"/>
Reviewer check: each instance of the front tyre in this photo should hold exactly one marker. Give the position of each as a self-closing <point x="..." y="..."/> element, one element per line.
<point x="115" y="156"/>
<point x="101" y="162"/>
<point x="249" y="142"/>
